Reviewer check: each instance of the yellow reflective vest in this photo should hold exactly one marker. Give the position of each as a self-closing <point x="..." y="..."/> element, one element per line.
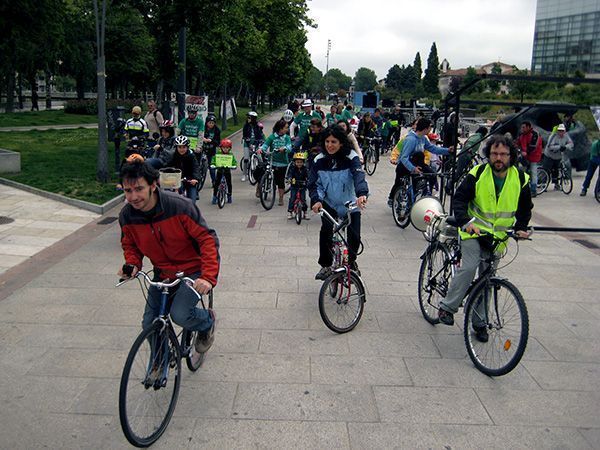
<point x="491" y="214"/>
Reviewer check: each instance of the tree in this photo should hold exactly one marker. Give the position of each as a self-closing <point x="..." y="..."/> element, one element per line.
<point x="417" y="66"/>
<point x="393" y="78"/>
<point x="432" y="73"/>
<point x="336" y="80"/>
<point x="521" y="87"/>
<point x="469" y="77"/>
<point x="365" y="79"/>
<point x="494" y="85"/>
<point x="315" y="82"/>
<point x="408" y="80"/>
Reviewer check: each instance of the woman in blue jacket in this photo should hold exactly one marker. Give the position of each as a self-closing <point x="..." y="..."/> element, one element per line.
<point x="336" y="177"/>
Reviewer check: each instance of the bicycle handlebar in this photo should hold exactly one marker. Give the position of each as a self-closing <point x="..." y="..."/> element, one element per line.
<point x="158" y="284"/>
<point x="351" y="206"/>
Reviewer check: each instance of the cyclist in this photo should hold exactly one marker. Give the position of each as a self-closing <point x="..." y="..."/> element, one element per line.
<point x="212" y="137"/>
<point x="343" y="123"/>
<point x="299" y="178"/>
<point x="223" y="169"/>
<point x="192" y="125"/>
<point x="184" y="160"/>
<point x="593" y="165"/>
<point x="378" y="118"/>
<point x="366" y="128"/>
<point x="559" y="143"/>
<point x="332" y="117"/>
<point x="302" y="120"/>
<point x="397" y="121"/>
<point x="165" y="146"/>
<point x="496" y="196"/>
<point x="279" y="144"/>
<point x="161" y="226"/>
<point x="530" y="145"/>
<point x="336" y="177"/>
<point x="252" y="134"/>
<point x="136" y="126"/>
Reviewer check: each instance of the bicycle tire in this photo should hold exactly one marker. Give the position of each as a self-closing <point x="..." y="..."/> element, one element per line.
<point x="498" y="328"/>
<point x="251" y="168"/>
<point x="430" y="292"/>
<point x="401" y="213"/>
<point x="132" y="435"/>
<point x="203" y="171"/>
<point x="288" y="179"/>
<point x="543" y="181"/>
<point x="367" y="161"/>
<point x="267" y="195"/>
<point x="374" y="160"/>
<point x="220" y="198"/>
<point x="298" y="213"/>
<point x="566" y="184"/>
<point x="340" y="301"/>
<point x="193" y="363"/>
<point x="597" y="189"/>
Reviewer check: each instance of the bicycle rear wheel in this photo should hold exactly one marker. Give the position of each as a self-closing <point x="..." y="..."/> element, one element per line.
<point x="597" y="189"/>
<point x="342" y="301"/>
<point x="543" y="181"/>
<point x="150" y="385"/>
<point x="401" y="207"/>
<point x="434" y="278"/>
<point x="267" y="190"/>
<point x="498" y="306"/>
<point x="251" y="168"/>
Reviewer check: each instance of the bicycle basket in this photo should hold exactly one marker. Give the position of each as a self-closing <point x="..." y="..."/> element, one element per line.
<point x="169" y="178"/>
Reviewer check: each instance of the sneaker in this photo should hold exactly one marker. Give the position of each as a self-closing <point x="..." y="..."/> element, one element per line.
<point x="583" y="193"/>
<point x="390" y="202"/>
<point x="243" y="178"/>
<point x="447" y="318"/>
<point x="305" y="216"/>
<point x="205" y="340"/>
<point x="214" y="200"/>
<point x="323" y="273"/>
<point x="481" y="333"/>
<point x="229" y="198"/>
<point x="290" y="215"/>
<point x="533" y="194"/>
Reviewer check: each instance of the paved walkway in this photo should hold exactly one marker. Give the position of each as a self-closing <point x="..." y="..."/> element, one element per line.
<point x="278" y="378"/>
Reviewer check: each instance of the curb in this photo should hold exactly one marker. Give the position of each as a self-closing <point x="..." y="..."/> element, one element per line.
<point x="98" y="209"/>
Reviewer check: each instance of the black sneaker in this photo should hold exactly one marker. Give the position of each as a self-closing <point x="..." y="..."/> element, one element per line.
<point x="481" y="333"/>
<point x="354" y="267"/>
<point x="323" y="273"/>
<point x="447" y="318"/>
<point x="205" y="340"/>
<point x="583" y="193"/>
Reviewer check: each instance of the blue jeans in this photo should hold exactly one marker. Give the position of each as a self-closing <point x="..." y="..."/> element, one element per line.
<point x="594" y="163"/>
<point x="183" y="308"/>
<point x="293" y="193"/>
<point x="190" y="192"/>
<point x="533" y="172"/>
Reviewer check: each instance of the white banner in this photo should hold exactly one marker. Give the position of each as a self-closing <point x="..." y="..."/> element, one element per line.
<point x="230" y="108"/>
<point x="202" y="104"/>
<point x="596" y="113"/>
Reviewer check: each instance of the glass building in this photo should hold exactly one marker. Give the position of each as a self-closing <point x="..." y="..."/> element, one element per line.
<point x="567" y="37"/>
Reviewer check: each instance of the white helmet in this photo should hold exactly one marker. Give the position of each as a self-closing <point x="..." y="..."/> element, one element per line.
<point x="423" y="211"/>
<point x="252" y="114"/>
<point x="288" y="115"/>
<point x="182" y="140"/>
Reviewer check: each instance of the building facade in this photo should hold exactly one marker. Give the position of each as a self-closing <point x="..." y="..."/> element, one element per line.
<point x="566" y="37"/>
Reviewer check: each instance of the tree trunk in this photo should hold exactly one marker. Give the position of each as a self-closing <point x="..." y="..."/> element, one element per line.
<point x="10" y="90"/>
<point x="48" y="76"/>
<point x="159" y="96"/>
<point x="80" y="87"/>
<point x="20" y="91"/>
<point x="224" y="109"/>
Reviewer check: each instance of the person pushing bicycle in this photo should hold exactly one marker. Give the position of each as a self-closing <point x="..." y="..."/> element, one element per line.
<point x="170" y="231"/>
<point x="493" y="198"/>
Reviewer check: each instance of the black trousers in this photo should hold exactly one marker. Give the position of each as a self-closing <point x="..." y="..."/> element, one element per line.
<point x="402" y="172"/>
<point x="227" y="173"/>
<point x="326" y="237"/>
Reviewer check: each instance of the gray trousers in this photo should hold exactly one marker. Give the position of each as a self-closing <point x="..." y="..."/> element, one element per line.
<point x="471" y="258"/>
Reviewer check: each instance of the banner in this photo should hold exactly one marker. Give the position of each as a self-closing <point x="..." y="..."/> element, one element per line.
<point x="596" y="113"/>
<point x="230" y="108"/>
<point x="202" y="104"/>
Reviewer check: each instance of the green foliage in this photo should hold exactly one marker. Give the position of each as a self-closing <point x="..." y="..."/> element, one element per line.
<point x="364" y="79"/>
<point x="336" y="80"/>
<point x="471" y="76"/>
<point x="90" y="106"/>
<point x="494" y="85"/>
<point x="417" y="66"/>
<point x="37" y="118"/>
<point x="315" y="82"/>
<point x="432" y="72"/>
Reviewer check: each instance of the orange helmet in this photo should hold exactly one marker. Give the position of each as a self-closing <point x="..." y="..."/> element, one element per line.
<point x="433" y="137"/>
<point x="135" y="157"/>
<point x="226" y="143"/>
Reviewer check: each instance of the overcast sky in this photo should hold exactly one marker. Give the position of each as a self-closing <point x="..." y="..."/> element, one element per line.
<point x="378" y="34"/>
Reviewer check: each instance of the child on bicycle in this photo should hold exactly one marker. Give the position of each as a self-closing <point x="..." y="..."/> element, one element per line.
<point x="278" y="144"/>
<point x="299" y="177"/>
<point x="336" y="177"/>
<point x="212" y="138"/>
<point x="184" y="160"/>
<point x="223" y="161"/>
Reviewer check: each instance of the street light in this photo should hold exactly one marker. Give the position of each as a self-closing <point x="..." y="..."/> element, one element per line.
<point x="327" y="70"/>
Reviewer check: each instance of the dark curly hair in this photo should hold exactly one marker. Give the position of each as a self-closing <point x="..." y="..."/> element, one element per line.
<point x="134" y="170"/>
<point x="501" y="139"/>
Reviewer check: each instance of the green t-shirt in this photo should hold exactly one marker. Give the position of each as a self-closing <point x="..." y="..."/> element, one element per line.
<point x="191" y="128"/>
<point x="303" y="122"/>
<point x="331" y="119"/>
<point x="498" y="184"/>
<point x="347" y="114"/>
<point x="595" y="152"/>
<point x="275" y="142"/>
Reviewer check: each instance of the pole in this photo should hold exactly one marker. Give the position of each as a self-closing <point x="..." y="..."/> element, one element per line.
<point x="102" y="163"/>
<point x="181" y="79"/>
<point x="327" y="70"/>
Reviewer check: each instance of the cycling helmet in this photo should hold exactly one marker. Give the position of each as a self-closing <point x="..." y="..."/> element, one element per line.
<point x="288" y="115"/>
<point x="134" y="158"/>
<point x="192" y="108"/>
<point x="211" y="118"/>
<point x="182" y="140"/>
<point x="299" y="155"/>
<point x="226" y="143"/>
<point x="433" y="137"/>
<point x="252" y="114"/>
<point x="136" y="110"/>
<point x="167" y="124"/>
<point x="424" y="210"/>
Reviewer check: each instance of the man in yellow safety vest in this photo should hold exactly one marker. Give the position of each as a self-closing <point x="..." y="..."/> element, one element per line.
<point x="493" y="198"/>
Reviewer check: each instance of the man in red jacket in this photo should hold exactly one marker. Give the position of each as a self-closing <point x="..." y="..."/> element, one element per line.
<point x="170" y="231"/>
<point x="530" y="144"/>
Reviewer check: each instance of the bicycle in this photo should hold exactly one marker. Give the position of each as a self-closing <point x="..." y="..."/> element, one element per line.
<point x="152" y="372"/>
<point x="406" y="195"/>
<point x="267" y="184"/>
<point x="203" y="163"/>
<point x="299" y="207"/>
<point x="249" y="166"/>
<point x="343" y="295"/>
<point x="222" y="190"/>
<point x="563" y="180"/>
<point x="491" y="301"/>
<point x="371" y="154"/>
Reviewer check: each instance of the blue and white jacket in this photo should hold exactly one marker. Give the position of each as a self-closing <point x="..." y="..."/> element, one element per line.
<point x="413" y="143"/>
<point x="337" y="179"/>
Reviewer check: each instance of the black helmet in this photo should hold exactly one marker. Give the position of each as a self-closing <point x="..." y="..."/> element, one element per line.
<point x="211" y="118"/>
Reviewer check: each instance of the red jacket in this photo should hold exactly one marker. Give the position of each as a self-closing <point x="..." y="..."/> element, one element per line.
<point x="175" y="239"/>
<point x="530" y="145"/>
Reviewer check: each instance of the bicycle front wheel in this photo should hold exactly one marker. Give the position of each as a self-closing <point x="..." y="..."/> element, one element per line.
<point x="566" y="183"/>
<point x="543" y="181"/>
<point x="203" y="171"/>
<point x="597" y="189"/>
<point x="342" y="301"/>
<point x="267" y="191"/>
<point x="401" y="207"/>
<point x="150" y="385"/>
<point x="298" y="212"/>
<point x="251" y="168"/>
<point x="498" y="306"/>
<point x="221" y="198"/>
<point x="434" y="278"/>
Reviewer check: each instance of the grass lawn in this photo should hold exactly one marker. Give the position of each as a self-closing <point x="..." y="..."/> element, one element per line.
<point x="37" y="118"/>
<point x="64" y="161"/>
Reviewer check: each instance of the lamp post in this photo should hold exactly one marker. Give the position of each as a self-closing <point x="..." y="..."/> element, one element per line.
<point x="327" y="70"/>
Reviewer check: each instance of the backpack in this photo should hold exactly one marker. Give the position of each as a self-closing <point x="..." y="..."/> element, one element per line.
<point x="396" y="152"/>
